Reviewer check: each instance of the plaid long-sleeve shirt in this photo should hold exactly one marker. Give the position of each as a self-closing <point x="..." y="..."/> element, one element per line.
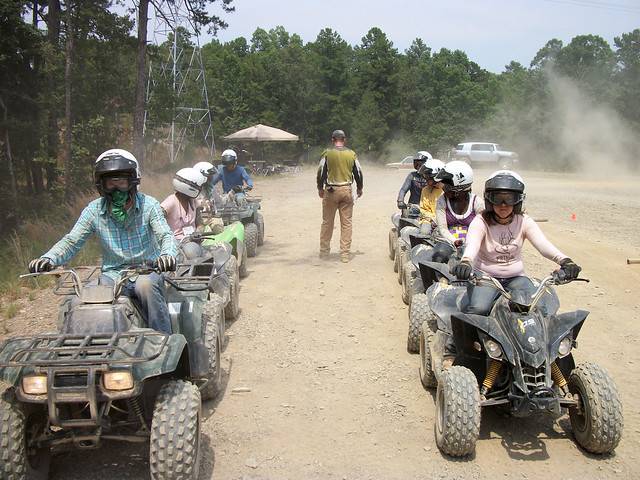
<point x="143" y="237"/>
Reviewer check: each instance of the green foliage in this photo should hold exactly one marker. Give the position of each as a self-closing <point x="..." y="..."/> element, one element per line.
<point x="10" y="311"/>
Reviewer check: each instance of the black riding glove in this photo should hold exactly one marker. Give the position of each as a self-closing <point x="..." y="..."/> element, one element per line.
<point x="39" y="265"/>
<point x="570" y="269"/>
<point x="166" y="263"/>
<point x="401" y="205"/>
<point x="463" y="270"/>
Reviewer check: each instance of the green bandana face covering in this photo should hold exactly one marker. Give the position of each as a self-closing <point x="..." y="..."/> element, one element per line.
<point x="118" y="201"/>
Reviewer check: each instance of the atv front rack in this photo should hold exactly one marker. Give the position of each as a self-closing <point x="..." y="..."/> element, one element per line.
<point x="82" y="350"/>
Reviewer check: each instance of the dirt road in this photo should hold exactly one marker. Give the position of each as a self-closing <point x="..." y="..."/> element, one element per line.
<point x="321" y="346"/>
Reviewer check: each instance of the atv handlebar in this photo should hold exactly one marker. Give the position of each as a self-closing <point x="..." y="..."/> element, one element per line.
<point x="555" y="278"/>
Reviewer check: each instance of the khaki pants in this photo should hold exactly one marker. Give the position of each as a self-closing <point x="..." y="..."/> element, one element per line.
<point x="341" y="200"/>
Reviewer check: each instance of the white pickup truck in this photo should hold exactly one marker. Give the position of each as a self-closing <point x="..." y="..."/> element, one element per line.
<point x="482" y="153"/>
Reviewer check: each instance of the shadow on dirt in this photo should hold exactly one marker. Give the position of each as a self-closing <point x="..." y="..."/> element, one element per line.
<point x="523" y="438"/>
<point x="120" y="460"/>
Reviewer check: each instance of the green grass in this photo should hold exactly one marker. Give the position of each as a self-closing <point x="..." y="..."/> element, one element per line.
<point x="11" y="311"/>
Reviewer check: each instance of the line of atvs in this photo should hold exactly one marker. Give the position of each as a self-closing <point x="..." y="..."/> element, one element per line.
<point x="518" y="358"/>
<point x="105" y="376"/>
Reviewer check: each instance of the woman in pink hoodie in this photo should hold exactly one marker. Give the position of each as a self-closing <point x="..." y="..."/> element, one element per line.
<point x="495" y="239"/>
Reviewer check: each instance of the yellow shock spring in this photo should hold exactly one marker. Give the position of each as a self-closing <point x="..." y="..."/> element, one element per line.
<point x="492" y="374"/>
<point x="558" y="377"/>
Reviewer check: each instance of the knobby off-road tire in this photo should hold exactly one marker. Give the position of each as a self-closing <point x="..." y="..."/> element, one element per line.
<point x="251" y="239"/>
<point x="233" y="307"/>
<point x="396" y="258"/>
<point x="392" y="243"/>
<point x="418" y="313"/>
<point x="401" y="258"/>
<point x="213" y="335"/>
<point x="598" y="427"/>
<point x="260" y="225"/>
<point x="457" y="424"/>
<point x="16" y="462"/>
<point x="427" y="376"/>
<point x="242" y="270"/>
<point x="174" y="446"/>
<point x="408" y="274"/>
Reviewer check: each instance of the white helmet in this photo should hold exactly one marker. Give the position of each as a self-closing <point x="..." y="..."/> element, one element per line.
<point x="424" y="153"/>
<point x="456" y="175"/>
<point x="229" y="157"/>
<point x="188" y="181"/>
<point x="431" y="168"/>
<point x="207" y="169"/>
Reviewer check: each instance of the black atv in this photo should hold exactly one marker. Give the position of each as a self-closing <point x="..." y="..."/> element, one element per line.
<point x="519" y="357"/>
<point x="420" y="250"/>
<point x="424" y="273"/>
<point x="410" y="217"/>
<point x="105" y="376"/>
<point x="239" y="207"/>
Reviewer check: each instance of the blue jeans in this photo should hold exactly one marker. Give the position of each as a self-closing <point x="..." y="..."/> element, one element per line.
<point x="481" y="299"/>
<point x="148" y="291"/>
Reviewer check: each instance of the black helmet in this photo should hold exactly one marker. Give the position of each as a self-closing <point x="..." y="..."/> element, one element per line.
<point x="504" y="186"/>
<point x="113" y="163"/>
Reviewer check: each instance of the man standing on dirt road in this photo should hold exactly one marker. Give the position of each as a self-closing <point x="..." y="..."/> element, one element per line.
<point x="338" y="169"/>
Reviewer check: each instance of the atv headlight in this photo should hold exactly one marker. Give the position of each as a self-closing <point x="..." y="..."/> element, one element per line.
<point x="118" y="380"/>
<point x="35" y="384"/>
<point x="565" y="346"/>
<point x="493" y="348"/>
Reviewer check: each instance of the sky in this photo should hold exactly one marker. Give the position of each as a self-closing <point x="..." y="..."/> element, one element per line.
<point x="491" y="32"/>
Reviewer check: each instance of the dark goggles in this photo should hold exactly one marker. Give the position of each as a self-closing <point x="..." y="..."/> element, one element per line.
<point x="456" y="190"/>
<point x="123" y="183"/>
<point x="503" y="197"/>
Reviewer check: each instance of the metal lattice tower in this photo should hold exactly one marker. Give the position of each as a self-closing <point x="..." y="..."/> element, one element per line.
<point x="183" y="70"/>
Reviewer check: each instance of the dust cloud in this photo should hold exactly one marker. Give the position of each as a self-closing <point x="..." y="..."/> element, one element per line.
<point x="592" y="137"/>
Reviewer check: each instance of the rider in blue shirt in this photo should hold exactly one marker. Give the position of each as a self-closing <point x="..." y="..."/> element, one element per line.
<point x="232" y="174"/>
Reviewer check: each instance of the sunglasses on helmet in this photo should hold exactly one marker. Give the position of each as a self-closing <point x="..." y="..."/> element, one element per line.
<point x="503" y="197"/>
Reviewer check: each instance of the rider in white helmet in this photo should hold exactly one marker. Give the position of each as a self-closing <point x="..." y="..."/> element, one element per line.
<point x="131" y="230"/>
<point x="456" y="209"/>
<point x="232" y="175"/>
<point x="180" y="207"/>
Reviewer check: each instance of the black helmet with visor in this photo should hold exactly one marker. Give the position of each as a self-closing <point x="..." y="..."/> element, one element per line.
<point x="116" y="164"/>
<point x="504" y="187"/>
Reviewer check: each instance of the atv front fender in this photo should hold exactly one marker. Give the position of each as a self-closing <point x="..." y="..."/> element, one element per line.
<point x="166" y="362"/>
<point x="463" y="324"/>
<point x="564" y="324"/>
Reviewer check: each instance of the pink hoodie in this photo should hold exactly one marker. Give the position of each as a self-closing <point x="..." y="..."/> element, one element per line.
<point x="497" y="249"/>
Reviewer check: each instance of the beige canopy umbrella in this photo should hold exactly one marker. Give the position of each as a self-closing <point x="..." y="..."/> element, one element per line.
<point x="261" y="133"/>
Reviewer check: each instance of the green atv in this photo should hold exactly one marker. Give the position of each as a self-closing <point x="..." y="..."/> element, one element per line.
<point x="239" y="207"/>
<point x="233" y="235"/>
<point x="106" y="376"/>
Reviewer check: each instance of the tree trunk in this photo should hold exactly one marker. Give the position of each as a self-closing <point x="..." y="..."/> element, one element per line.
<point x="7" y="152"/>
<point x="68" y="132"/>
<point x="141" y="82"/>
<point x="53" y="38"/>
